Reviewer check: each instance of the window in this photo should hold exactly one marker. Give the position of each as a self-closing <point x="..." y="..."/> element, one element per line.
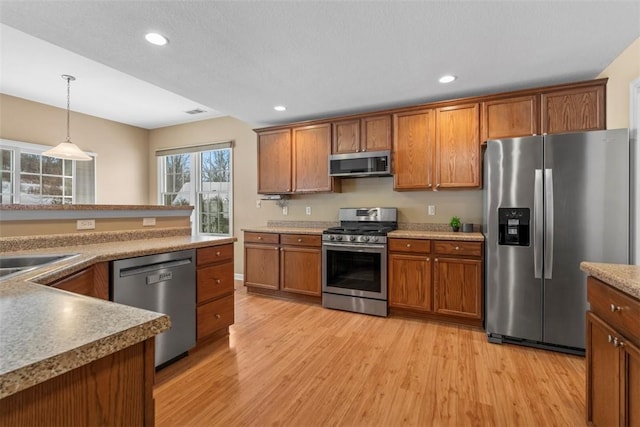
<point x="28" y="177"/>
<point x="199" y="176"/>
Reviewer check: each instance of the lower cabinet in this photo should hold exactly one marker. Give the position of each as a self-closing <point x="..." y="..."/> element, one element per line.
<point x="439" y="278"/>
<point x="92" y="281"/>
<point x="214" y="291"/>
<point x="287" y="264"/>
<point x="613" y="357"/>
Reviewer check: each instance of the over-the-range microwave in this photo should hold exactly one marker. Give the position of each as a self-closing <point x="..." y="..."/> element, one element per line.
<point x="362" y="164"/>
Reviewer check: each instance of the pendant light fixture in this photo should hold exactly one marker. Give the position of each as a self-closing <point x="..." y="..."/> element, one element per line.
<point x="67" y="150"/>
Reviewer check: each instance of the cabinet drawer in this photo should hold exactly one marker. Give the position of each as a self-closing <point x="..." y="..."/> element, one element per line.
<point x="214" y="254"/>
<point x="214" y="281"/>
<point x="261" y="237"/>
<point x="410" y="245"/>
<point x="454" y="247"/>
<point x="300" y="239"/>
<point x="619" y="310"/>
<point x="214" y="316"/>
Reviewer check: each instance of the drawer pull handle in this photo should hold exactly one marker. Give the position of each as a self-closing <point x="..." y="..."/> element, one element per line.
<point x="457" y="248"/>
<point x="299" y="240"/>
<point x="615" y="341"/>
<point x="615" y="308"/>
<point x="217" y="316"/>
<point x="218" y="253"/>
<point x="408" y="245"/>
<point x="259" y="237"/>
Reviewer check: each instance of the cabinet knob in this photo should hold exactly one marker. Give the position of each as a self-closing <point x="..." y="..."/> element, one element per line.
<point x="218" y="281"/>
<point x="259" y="237"/>
<point x="218" y="253"/>
<point x="408" y="245"/>
<point x="457" y="248"/>
<point x="364" y="149"/>
<point x="299" y="240"/>
<point x="217" y="316"/>
<point x="615" y="308"/>
<point x="428" y="259"/>
<point x="436" y="260"/>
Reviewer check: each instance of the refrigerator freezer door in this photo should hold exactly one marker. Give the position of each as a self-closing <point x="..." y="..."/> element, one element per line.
<point x="513" y="297"/>
<point x="590" y="222"/>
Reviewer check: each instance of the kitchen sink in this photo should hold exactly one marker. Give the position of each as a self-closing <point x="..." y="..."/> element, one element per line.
<point x="14" y="264"/>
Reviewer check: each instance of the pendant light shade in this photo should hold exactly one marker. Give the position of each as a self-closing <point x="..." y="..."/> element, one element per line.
<point x="67" y="150"/>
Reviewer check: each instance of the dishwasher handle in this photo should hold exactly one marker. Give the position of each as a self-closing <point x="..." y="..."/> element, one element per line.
<point x="148" y="268"/>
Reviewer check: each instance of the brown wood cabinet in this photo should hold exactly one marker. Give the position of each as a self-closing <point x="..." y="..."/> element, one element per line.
<point x="365" y="134"/>
<point x="311" y="149"/>
<point x="413" y="148"/>
<point x="114" y="390"/>
<point x="214" y="291"/>
<point x="274" y="162"/>
<point x="286" y="264"/>
<point x="410" y="274"/>
<point x="573" y="109"/>
<point x="457" y="155"/>
<point x="457" y="279"/>
<point x="510" y="117"/>
<point x="613" y="356"/>
<point x="92" y="281"/>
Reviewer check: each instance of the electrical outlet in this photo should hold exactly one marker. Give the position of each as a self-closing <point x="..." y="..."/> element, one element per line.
<point x="308" y="210"/>
<point x="148" y="222"/>
<point x="86" y="224"/>
<point x="258" y="203"/>
<point x="285" y="210"/>
<point x="431" y="209"/>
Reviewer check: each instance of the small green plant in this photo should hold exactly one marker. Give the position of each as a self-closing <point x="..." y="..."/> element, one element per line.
<point x="455" y="222"/>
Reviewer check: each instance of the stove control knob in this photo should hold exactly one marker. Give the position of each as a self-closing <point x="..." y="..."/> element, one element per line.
<point x="332" y="237"/>
<point x="352" y="238"/>
<point x="338" y="237"/>
<point x="365" y="239"/>
<point x="374" y="239"/>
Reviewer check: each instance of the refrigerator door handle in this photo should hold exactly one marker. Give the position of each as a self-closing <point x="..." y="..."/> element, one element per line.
<point x="537" y="224"/>
<point x="548" y="238"/>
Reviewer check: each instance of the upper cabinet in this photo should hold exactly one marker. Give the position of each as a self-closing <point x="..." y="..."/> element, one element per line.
<point x="365" y="134"/>
<point x="457" y="156"/>
<point x="573" y="110"/>
<point x="274" y="162"/>
<point x="311" y="149"/>
<point x="510" y="117"/>
<point x="413" y="146"/>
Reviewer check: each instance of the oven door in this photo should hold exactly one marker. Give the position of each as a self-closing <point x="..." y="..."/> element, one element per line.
<point x="357" y="270"/>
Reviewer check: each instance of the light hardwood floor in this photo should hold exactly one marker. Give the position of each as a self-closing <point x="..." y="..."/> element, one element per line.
<point x="295" y="364"/>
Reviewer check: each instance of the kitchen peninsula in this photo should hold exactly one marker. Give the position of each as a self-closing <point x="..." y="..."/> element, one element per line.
<point x="65" y="356"/>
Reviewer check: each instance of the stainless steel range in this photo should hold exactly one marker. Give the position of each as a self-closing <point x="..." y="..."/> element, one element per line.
<point x="354" y="260"/>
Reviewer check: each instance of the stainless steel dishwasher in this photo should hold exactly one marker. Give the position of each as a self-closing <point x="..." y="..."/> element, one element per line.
<point x="164" y="283"/>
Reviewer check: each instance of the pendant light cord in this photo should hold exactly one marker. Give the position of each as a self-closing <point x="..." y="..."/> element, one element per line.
<point x="68" y="79"/>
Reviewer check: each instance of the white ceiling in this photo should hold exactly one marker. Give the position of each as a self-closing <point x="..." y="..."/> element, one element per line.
<point x="319" y="58"/>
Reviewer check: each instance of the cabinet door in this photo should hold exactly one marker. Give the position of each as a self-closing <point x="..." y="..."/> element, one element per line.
<point x="301" y="270"/>
<point x="376" y="133"/>
<point x="413" y="143"/>
<point x="311" y="149"/>
<point x="261" y="266"/>
<point x="603" y="374"/>
<point x="346" y="137"/>
<point x="632" y="385"/>
<point x="457" y="158"/>
<point x="274" y="162"/>
<point x="457" y="287"/>
<point x="573" y="110"/>
<point x="509" y="118"/>
<point x="92" y="281"/>
<point x="410" y="282"/>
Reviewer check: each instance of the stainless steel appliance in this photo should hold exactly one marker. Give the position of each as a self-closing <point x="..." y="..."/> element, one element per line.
<point x="165" y="283"/>
<point x="354" y="260"/>
<point x="362" y="164"/>
<point x="551" y="202"/>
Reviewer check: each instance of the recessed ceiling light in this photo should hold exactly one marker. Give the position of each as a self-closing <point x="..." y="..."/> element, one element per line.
<point x="157" y="39"/>
<point x="280" y="108"/>
<point x="447" y="79"/>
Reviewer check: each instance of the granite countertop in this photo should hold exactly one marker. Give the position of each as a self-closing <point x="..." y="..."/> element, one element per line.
<point x="436" y="235"/>
<point x="45" y="332"/>
<point x="284" y="229"/>
<point x="624" y="277"/>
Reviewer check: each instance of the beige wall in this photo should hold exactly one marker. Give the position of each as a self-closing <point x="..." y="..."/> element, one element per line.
<point x="122" y="150"/>
<point x="621" y="72"/>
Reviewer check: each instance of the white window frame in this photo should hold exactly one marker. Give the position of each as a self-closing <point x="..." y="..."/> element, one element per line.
<point x="195" y="153"/>
<point x="19" y="147"/>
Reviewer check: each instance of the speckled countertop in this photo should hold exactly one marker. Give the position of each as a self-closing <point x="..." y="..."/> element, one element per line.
<point x="284" y="229"/>
<point x="45" y="332"/>
<point x="621" y="276"/>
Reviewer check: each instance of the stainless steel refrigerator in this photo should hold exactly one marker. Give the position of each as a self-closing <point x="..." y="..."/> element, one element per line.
<point x="551" y="202"/>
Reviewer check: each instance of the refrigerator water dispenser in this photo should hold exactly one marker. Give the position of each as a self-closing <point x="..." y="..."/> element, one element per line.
<point x="513" y="226"/>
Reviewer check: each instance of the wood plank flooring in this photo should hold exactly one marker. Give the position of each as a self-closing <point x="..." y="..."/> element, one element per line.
<point x="295" y="364"/>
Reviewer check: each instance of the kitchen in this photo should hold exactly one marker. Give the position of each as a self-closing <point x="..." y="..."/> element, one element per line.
<point x="136" y="183"/>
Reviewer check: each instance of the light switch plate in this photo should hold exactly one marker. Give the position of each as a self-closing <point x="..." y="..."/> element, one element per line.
<point x="308" y="210"/>
<point x="285" y="210"/>
<point x="431" y="209"/>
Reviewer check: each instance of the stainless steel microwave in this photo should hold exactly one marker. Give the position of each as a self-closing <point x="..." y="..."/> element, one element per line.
<point x="373" y="163"/>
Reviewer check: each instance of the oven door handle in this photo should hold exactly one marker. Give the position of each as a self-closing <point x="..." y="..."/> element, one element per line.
<point x="353" y="248"/>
